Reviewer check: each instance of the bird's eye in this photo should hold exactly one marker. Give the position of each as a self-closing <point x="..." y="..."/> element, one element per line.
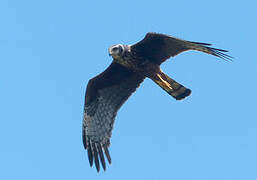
<point x="115" y="49"/>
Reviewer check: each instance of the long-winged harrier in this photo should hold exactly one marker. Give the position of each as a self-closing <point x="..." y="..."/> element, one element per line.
<point x="131" y="64"/>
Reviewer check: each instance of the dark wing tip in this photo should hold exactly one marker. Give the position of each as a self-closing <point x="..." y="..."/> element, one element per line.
<point x="107" y="154"/>
<point x="90" y="153"/>
<point x="186" y="93"/>
<point x="218" y="53"/>
<point x="214" y="51"/>
<point x="204" y="44"/>
<point x="84" y="137"/>
<point x="95" y="151"/>
<point x="101" y="155"/>
<point x="220" y="50"/>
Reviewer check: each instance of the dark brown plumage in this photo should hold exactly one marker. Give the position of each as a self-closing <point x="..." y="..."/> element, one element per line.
<point x="131" y="64"/>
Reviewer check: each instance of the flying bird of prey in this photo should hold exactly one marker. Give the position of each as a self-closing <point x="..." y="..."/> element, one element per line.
<point x="131" y="64"/>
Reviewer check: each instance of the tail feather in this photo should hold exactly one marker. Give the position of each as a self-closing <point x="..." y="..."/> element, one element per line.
<point x="172" y="87"/>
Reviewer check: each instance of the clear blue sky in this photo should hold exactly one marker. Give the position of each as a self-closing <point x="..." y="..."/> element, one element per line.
<point x="50" y="49"/>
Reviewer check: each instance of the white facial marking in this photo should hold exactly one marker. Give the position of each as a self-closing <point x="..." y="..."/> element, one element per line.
<point x="116" y="50"/>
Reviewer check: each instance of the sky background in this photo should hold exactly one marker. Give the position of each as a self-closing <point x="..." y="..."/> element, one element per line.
<point x="50" y="49"/>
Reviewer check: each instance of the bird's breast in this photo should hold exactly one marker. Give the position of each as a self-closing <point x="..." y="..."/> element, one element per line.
<point x="141" y="66"/>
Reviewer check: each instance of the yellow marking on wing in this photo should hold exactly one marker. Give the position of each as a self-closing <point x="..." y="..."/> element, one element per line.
<point x="164" y="84"/>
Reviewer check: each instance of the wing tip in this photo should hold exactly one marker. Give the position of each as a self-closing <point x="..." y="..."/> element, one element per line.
<point x="101" y="155"/>
<point x="182" y="96"/>
<point x="213" y="51"/>
<point x="90" y="153"/>
<point x="95" y="152"/>
<point x="107" y="154"/>
<point x="200" y="43"/>
<point x="219" y="53"/>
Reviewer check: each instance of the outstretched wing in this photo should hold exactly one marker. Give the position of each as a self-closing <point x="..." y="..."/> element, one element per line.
<point x="104" y="96"/>
<point x="159" y="47"/>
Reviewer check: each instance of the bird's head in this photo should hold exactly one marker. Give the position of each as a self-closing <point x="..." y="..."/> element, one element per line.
<point x="117" y="51"/>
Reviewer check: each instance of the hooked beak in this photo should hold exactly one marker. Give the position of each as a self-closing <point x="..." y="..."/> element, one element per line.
<point x="110" y="52"/>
